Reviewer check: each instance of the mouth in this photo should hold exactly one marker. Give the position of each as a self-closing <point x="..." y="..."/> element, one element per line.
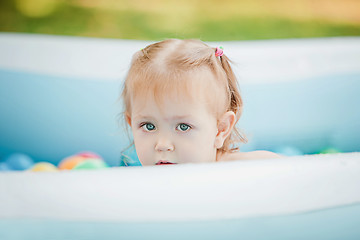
<point x="164" y="162"/>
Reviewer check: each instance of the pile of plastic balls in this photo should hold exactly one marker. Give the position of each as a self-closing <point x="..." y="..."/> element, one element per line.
<point x="79" y="161"/>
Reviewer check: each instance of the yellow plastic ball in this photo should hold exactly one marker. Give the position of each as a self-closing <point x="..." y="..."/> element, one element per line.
<point x="44" y="167"/>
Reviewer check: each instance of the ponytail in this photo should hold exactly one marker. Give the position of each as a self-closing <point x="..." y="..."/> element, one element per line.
<point x="235" y="105"/>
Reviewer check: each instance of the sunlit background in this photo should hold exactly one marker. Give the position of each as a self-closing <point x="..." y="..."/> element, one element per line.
<point x="207" y="20"/>
<point x="60" y="110"/>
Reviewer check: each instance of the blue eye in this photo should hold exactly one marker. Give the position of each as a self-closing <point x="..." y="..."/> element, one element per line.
<point x="183" y="127"/>
<point x="148" y="127"/>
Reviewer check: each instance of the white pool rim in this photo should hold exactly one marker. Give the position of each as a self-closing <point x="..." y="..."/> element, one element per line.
<point x="189" y="192"/>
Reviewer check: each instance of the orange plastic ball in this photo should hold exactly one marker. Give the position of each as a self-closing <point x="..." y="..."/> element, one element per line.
<point x="70" y="162"/>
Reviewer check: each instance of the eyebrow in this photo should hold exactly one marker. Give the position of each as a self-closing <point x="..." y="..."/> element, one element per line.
<point x="177" y="117"/>
<point x="142" y="116"/>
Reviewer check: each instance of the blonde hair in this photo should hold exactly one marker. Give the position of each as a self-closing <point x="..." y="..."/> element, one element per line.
<point x="172" y="66"/>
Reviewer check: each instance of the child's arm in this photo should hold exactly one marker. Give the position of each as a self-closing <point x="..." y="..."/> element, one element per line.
<point x="261" y="155"/>
<point x="249" y="155"/>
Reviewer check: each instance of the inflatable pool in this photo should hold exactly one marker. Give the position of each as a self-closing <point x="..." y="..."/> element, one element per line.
<point x="59" y="96"/>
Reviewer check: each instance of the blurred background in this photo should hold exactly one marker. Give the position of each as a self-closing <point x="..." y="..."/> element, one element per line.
<point x="208" y="20"/>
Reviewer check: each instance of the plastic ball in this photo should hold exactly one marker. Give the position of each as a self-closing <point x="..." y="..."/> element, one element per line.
<point x="288" y="151"/>
<point x="88" y="155"/>
<point x="129" y="158"/>
<point x="44" y="167"/>
<point x="91" y="164"/>
<point x="19" y="161"/>
<point x="329" y="150"/>
<point x="70" y="162"/>
<point x="4" y="167"/>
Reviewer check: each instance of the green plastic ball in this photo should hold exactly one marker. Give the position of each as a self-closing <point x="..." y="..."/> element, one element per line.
<point x="329" y="150"/>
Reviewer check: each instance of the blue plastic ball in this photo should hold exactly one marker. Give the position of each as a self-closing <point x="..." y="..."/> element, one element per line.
<point x="4" y="167"/>
<point x="129" y="158"/>
<point x="19" y="162"/>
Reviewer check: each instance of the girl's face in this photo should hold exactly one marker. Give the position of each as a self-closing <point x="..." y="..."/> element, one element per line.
<point x="178" y="131"/>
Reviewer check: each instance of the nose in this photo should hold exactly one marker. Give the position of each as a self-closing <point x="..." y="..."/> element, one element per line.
<point x="164" y="145"/>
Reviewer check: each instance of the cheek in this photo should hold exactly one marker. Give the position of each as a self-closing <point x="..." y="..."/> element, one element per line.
<point x="144" y="147"/>
<point x="207" y="137"/>
<point x="198" y="148"/>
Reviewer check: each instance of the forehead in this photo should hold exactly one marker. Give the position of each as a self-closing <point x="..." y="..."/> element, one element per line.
<point x="196" y="89"/>
<point x="170" y="107"/>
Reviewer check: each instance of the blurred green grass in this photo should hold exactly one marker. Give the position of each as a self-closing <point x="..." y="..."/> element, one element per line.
<point x="210" y="20"/>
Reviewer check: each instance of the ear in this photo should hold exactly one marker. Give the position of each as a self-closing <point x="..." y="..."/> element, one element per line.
<point x="225" y="126"/>
<point x="128" y="119"/>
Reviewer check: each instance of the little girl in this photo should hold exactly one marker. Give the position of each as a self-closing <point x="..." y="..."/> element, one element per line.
<point x="182" y="103"/>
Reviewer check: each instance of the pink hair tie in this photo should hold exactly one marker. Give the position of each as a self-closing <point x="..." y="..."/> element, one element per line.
<point x="219" y="52"/>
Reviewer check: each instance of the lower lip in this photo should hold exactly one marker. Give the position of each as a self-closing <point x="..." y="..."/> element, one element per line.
<point x="165" y="163"/>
